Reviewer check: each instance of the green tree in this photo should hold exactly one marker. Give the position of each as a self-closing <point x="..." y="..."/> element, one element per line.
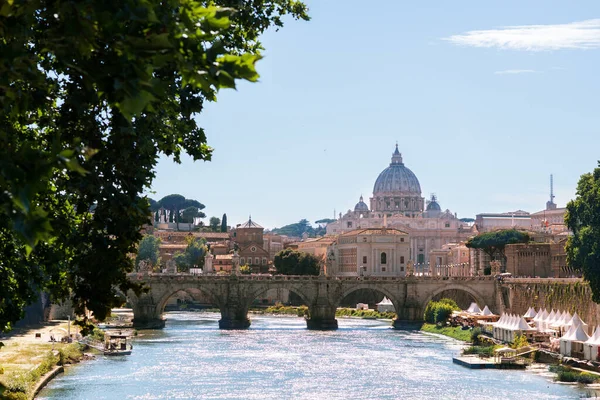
<point x="296" y="230"/>
<point x="583" y="219"/>
<point x="91" y="94"/>
<point x="214" y="223"/>
<point x="494" y="243"/>
<point x="324" y="221"/>
<point x="292" y="262"/>
<point x="148" y="250"/>
<point x="224" y="223"/>
<point x="193" y="255"/>
<point x="188" y="215"/>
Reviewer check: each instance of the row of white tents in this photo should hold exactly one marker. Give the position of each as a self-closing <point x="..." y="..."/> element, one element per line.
<point x="575" y="342"/>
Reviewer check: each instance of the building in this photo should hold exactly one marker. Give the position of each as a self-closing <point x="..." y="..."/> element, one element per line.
<point x="543" y="260"/>
<point x="488" y="222"/>
<point x="370" y="252"/>
<point x="397" y="203"/>
<point x="249" y="240"/>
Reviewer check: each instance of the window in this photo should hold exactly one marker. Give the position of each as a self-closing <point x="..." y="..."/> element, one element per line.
<point x="402" y="239"/>
<point x="242" y="261"/>
<point x="382" y="269"/>
<point x="264" y="260"/>
<point x="257" y="261"/>
<point x="402" y="269"/>
<point x="349" y="224"/>
<point x="383" y="258"/>
<point x="447" y="225"/>
<point x="365" y="239"/>
<point x="401" y="259"/>
<point x="364" y="259"/>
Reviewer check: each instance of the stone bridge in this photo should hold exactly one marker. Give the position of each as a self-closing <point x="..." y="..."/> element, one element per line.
<point x="233" y="295"/>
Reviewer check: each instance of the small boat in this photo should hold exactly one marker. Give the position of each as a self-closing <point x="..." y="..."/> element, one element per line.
<point x="116" y="344"/>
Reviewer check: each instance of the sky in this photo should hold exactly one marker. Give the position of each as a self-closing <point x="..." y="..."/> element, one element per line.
<point x="485" y="99"/>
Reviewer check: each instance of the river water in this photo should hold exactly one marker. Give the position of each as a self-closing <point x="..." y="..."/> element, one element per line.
<point x="277" y="358"/>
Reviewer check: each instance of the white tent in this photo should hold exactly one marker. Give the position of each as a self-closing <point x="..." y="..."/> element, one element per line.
<point x="385" y="305"/>
<point x="486" y="311"/>
<point x="530" y="313"/>
<point x="474" y="309"/>
<point x="590" y="348"/>
<point x="572" y="341"/>
<point x="550" y="318"/>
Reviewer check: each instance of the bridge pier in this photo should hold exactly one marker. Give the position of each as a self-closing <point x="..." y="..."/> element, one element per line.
<point x="234" y="318"/>
<point x="145" y="314"/>
<point x="322" y="318"/>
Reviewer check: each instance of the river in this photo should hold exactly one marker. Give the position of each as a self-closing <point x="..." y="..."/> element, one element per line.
<point x="277" y="358"/>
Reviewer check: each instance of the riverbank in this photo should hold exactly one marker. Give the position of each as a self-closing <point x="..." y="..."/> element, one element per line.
<point x="301" y="311"/>
<point x="29" y="359"/>
<point x="455" y="332"/>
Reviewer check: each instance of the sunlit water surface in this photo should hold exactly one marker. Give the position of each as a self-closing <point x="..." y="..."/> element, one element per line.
<point x="279" y="359"/>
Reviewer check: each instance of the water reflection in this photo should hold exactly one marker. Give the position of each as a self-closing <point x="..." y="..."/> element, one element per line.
<point x="278" y="358"/>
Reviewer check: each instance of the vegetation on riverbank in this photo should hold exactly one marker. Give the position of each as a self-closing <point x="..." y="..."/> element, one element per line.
<point x="567" y="374"/>
<point x="368" y="314"/>
<point x="25" y="367"/>
<point x="301" y="311"/>
<point x="455" y="332"/>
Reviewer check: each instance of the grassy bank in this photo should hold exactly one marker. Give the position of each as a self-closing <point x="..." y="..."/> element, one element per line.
<point x="340" y="312"/>
<point x="24" y="361"/>
<point x="370" y="314"/>
<point x="566" y="374"/>
<point x="453" y="332"/>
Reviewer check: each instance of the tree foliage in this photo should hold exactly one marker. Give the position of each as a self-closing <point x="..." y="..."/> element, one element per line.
<point x="224" y="223"/>
<point x="91" y="93"/>
<point x="494" y="243"/>
<point x="215" y="224"/>
<point x="583" y="219"/>
<point x="437" y="312"/>
<point x="149" y="251"/>
<point x="324" y="221"/>
<point x="192" y="256"/>
<point x="293" y="262"/>
<point x="296" y="230"/>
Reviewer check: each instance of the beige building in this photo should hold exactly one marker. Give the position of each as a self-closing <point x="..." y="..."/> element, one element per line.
<point x="397" y="203"/>
<point x="370" y="252"/>
<point x="488" y="222"/>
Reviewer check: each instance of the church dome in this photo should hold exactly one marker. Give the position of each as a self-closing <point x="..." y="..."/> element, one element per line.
<point x="433" y="205"/>
<point x="397" y="179"/>
<point x="361" y="205"/>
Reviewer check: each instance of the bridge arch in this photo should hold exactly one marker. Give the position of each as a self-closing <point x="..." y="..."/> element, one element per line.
<point x="297" y="289"/>
<point x="383" y="289"/>
<point x="479" y="299"/>
<point x="188" y="288"/>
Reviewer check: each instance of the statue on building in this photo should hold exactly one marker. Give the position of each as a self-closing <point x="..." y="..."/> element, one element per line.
<point x="208" y="263"/>
<point x="235" y="263"/>
<point x="410" y="268"/>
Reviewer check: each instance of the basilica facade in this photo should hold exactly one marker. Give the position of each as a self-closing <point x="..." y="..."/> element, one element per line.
<point x="397" y="203"/>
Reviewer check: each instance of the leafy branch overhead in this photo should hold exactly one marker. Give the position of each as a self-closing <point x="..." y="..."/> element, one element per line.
<point x="91" y="93"/>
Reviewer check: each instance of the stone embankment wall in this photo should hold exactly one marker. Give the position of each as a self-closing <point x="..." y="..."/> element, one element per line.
<point x="572" y="295"/>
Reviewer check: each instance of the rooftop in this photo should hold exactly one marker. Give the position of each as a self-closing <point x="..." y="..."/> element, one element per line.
<point x="374" y="231"/>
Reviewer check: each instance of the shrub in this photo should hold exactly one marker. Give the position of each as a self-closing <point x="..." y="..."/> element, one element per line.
<point x="475" y="335"/>
<point x="442" y="313"/>
<point x="450" y="302"/>
<point x="1" y="370"/>
<point x="520" y="341"/>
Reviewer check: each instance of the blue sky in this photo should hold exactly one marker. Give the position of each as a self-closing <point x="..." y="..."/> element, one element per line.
<point x="485" y="99"/>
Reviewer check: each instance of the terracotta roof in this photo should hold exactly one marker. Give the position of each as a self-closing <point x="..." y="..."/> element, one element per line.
<point x="375" y="231"/>
<point x="223" y="256"/>
<point x="211" y="235"/>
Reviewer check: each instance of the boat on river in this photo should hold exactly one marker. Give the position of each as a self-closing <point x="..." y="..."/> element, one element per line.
<point x="117" y="344"/>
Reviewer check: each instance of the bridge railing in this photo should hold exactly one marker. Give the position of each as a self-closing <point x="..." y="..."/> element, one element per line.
<point x="302" y="278"/>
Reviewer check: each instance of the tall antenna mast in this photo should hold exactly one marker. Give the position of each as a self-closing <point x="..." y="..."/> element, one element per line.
<point x="551" y="189"/>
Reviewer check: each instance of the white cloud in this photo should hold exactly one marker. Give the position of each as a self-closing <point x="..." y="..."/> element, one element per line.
<point x="575" y="35"/>
<point x="515" y="71"/>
